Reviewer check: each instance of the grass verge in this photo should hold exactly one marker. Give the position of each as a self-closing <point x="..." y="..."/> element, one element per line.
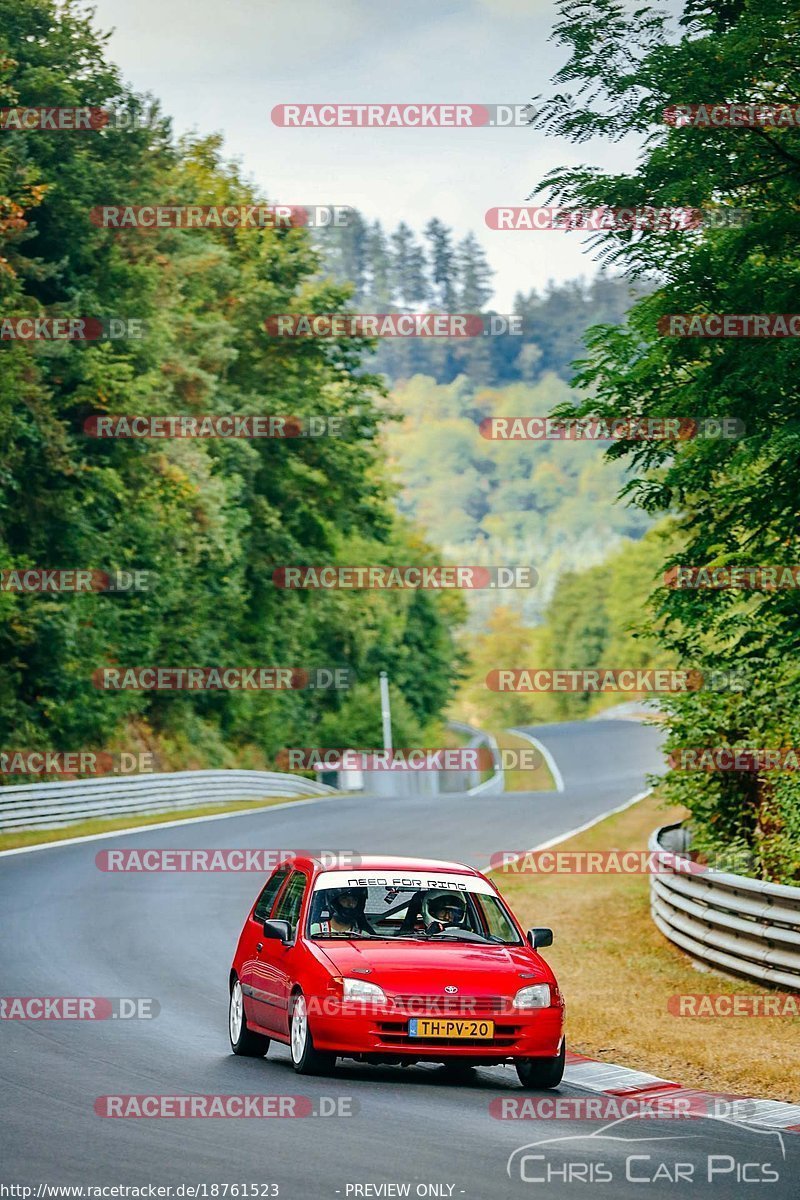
<point x="617" y="973"/>
<point x="34" y="837"/>
<point x="538" y="780"/>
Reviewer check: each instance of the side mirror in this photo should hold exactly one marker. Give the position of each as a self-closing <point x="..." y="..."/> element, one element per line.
<point x="539" y="937"/>
<point x="280" y="930"/>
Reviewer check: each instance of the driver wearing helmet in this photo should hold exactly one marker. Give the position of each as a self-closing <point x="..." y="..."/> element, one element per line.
<point x="342" y="913"/>
<point x="441" y="910"/>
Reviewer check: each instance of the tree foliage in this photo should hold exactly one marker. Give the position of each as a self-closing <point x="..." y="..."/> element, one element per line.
<point x="738" y="499"/>
<point x="545" y="504"/>
<point x="400" y="273"/>
<point x="596" y="618"/>
<point x="210" y="520"/>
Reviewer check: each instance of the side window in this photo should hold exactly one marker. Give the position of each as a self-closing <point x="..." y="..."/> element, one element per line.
<point x="265" y="900"/>
<point x="289" y="906"/>
<point x="496" y="920"/>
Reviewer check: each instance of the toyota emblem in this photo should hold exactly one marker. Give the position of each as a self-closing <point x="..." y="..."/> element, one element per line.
<point x="450" y="989"/>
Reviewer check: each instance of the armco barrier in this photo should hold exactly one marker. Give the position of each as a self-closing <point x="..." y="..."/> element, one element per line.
<point x="50" y="805"/>
<point x="496" y="782"/>
<point x="743" y="926"/>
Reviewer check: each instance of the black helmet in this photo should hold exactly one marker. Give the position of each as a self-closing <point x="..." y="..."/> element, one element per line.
<point x="445" y="908"/>
<point x="347" y="904"/>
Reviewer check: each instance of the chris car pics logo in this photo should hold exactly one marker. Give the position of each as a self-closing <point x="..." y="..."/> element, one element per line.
<point x="616" y="1153"/>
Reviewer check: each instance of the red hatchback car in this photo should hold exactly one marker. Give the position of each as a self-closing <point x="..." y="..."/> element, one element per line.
<point x="397" y="960"/>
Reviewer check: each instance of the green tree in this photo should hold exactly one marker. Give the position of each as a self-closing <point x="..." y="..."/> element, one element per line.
<point x="442" y="265"/>
<point x="474" y="275"/>
<point x="411" y="287"/>
<point x="208" y="520"/>
<point x="346" y="252"/>
<point x="379" y="283"/>
<point x="539" y="503"/>
<point x="738" y="498"/>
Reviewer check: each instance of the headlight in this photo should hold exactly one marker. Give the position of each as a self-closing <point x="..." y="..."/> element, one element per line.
<point x="360" y="989"/>
<point x="537" y="996"/>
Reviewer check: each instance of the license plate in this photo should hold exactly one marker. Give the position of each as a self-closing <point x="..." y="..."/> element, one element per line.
<point x="434" y="1027"/>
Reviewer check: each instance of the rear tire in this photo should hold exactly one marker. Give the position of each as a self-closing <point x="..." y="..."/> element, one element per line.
<point x="539" y="1074"/>
<point x="306" y="1060"/>
<point x="243" y="1040"/>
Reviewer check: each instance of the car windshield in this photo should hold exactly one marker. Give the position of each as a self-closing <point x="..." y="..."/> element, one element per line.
<point x="412" y="914"/>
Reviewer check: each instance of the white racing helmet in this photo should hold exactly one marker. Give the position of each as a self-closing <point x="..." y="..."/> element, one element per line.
<point x="445" y="908"/>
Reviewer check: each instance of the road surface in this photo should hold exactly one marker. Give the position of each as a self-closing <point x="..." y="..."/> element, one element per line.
<point x="70" y="929"/>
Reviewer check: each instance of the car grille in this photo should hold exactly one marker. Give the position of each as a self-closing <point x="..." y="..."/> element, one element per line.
<point x="451" y="1006"/>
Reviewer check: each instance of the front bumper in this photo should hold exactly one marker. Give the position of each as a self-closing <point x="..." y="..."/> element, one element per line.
<point x="351" y="1029"/>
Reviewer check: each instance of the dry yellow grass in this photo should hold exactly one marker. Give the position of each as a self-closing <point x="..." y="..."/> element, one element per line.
<point x="617" y="973"/>
<point x="538" y="780"/>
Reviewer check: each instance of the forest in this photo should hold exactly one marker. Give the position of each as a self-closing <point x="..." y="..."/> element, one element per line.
<point x="410" y="478"/>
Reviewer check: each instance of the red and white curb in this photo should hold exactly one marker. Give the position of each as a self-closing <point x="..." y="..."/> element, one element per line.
<point x="613" y="1080"/>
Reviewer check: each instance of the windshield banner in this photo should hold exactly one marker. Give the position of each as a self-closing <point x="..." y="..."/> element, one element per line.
<point x="443" y="881"/>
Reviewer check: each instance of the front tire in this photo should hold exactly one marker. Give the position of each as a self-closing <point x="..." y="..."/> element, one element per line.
<point x="306" y="1060"/>
<point x="539" y="1074"/>
<point x="243" y="1040"/>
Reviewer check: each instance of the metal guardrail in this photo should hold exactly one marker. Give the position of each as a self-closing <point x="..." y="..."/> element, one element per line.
<point x="51" y="805"/>
<point x="496" y="782"/>
<point x="743" y="926"/>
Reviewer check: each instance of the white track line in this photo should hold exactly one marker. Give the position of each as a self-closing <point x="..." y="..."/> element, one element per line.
<point x="546" y="755"/>
<point x="563" y="837"/>
<point x="97" y="837"/>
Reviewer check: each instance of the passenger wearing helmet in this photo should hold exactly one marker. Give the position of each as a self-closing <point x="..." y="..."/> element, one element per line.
<point x="342" y="912"/>
<point x="441" y="910"/>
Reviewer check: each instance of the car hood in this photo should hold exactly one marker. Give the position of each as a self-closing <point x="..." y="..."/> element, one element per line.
<point x="428" y="967"/>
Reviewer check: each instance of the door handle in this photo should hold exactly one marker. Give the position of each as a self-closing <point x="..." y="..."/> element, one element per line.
<point x="259" y="947"/>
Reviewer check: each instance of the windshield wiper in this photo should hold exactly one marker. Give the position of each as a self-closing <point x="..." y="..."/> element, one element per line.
<point x="362" y="933"/>
<point x="466" y="935"/>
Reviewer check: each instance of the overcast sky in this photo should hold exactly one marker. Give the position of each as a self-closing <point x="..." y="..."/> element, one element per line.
<point x="222" y="66"/>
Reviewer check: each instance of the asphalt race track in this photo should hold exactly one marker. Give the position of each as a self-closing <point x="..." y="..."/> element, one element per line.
<point x="70" y="929"/>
